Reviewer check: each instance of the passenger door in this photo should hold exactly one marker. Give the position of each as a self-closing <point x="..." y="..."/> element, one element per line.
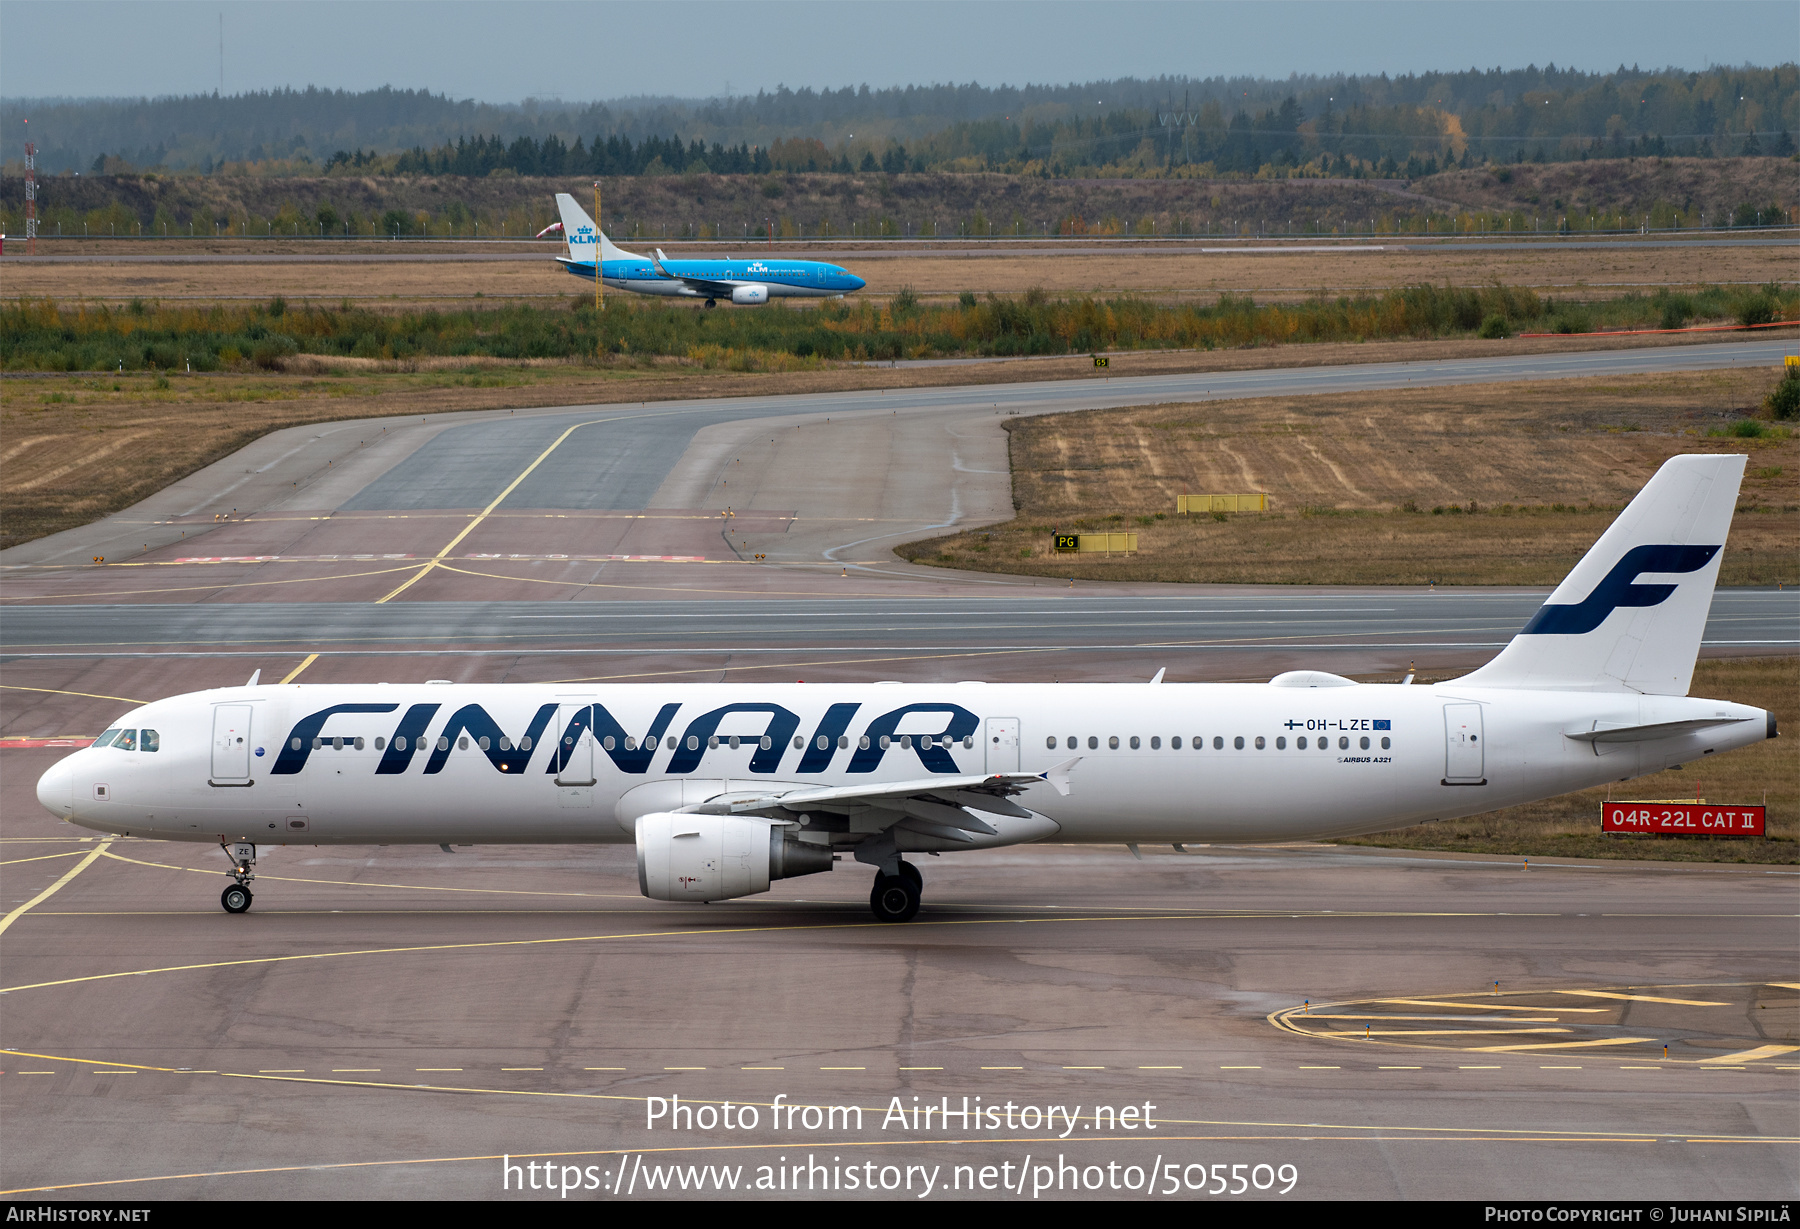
<point x="576" y="751"/>
<point x="231" y="744"/>
<point x="1464" y="755"/>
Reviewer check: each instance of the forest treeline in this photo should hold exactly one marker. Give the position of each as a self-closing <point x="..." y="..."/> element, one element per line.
<point x="1326" y="125"/>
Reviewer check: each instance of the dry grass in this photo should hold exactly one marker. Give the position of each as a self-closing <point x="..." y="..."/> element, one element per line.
<point x="1272" y="275"/>
<point x="1377" y="488"/>
<point x="1570" y="825"/>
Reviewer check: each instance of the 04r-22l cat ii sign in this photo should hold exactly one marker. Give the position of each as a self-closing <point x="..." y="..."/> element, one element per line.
<point x="725" y="788"/>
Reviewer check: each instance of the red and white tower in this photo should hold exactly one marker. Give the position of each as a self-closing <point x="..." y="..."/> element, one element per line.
<point x="31" y="198"/>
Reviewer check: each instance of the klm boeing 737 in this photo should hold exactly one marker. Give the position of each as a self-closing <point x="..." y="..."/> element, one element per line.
<point x="746" y="281"/>
<point x="726" y="787"/>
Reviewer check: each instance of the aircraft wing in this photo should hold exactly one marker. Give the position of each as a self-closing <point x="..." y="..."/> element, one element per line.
<point x="940" y="806"/>
<point x="718" y="287"/>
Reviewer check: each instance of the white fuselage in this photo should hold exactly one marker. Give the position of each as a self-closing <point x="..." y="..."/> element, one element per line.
<point x="1168" y="763"/>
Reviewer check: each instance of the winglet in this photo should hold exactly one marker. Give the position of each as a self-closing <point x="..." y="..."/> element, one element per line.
<point x="1159" y="674"/>
<point x="254" y="676"/>
<point x="1059" y="776"/>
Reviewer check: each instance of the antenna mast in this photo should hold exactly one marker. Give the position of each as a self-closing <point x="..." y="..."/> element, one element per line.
<point x="30" y="198"/>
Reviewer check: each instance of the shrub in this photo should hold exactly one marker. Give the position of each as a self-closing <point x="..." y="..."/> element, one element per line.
<point x="1757" y="309"/>
<point x="1494" y="327"/>
<point x="966" y="298"/>
<point x="1676" y="311"/>
<point x="906" y="300"/>
<point x="269" y="352"/>
<point x="1784" y="402"/>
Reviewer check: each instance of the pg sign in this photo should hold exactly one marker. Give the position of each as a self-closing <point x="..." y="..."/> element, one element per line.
<point x="1682" y="819"/>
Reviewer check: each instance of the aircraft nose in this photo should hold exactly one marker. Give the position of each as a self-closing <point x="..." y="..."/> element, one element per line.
<point x="856" y="283"/>
<point x="56" y="788"/>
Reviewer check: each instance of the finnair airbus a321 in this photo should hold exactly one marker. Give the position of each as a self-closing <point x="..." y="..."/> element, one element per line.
<point x="745" y="280"/>
<point x="725" y="788"/>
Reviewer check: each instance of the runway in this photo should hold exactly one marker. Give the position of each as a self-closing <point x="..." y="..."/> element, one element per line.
<point x="402" y="1023"/>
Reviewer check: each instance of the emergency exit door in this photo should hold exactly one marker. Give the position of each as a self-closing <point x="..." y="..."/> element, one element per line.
<point x="1001" y="737"/>
<point x="575" y="746"/>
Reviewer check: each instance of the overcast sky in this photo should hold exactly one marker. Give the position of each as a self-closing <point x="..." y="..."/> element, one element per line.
<point x="578" y="51"/>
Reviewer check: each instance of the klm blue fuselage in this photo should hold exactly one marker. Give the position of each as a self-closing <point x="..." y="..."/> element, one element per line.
<point x="784" y="277"/>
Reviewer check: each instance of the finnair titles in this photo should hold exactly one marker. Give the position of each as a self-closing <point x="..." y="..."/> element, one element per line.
<point x="746" y="281"/>
<point x="725" y="788"/>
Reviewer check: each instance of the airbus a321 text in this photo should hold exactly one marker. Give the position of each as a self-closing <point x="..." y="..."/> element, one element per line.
<point x="745" y="280"/>
<point x="725" y="788"/>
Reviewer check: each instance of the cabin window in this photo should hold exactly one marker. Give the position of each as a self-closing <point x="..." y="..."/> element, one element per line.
<point x="1365" y="742"/>
<point x="1238" y="742"/>
<point x="766" y="742"/>
<point x="799" y="742"/>
<point x="359" y="742"/>
<point x="1112" y="743"/>
<point x="443" y="743"/>
<point x="294" y="743"/>
<point x="1386" y="743"/>
<point x="693" y="742"/>
<point x="150" y="741"/>
<point x="824" y="742"/>
<point x="906" y="741"/>
<point x="734" y="742"/>
<point x="1343" y="744"/>
<point x="1219" y="743"/>
<point x="1281" y="744"/>
<point x="1175" y="743"/>
<point x="505" y="744"/>
<point x="885" y="742"/>
<point x="1050" y="742"/>
<point x="1093" y="743"/>
<point x="1155" y="742"/>
<point x="380" y="743"/>
<point x="106" y="737"/>
<point x="1324" y="744"/>
<point x="317" y="743"/>
<point x="1134" y="742"/>
<point x="1300" y="743"/>
<point x="462" y="742"/>
<point x="525" y="743"/>
<point x="630" y="743"/>
<point x="862" y="744"/>
<point x="608" y="744"/>
<point x="1259" y="742"/>
<point x="712" y="741"/>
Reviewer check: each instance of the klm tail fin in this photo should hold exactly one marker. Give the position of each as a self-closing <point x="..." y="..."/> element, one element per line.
<point x="1630" y="615"/>
<point x="580" y="232"/>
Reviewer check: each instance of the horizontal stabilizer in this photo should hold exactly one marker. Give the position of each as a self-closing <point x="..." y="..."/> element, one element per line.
<point x="1648" y="733"/>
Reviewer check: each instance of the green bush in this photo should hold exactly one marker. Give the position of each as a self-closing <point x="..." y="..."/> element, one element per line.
<point x="1677" y="310"/>
<point x="1784" y="402"/>
<point x="269" y="352"/>
<point x="1757" y="309"/>
<point x="1494" y="327"/>
<point x="966" y="298"/>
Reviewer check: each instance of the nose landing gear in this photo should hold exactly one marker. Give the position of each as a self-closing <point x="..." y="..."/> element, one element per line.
<point x="895" y="898"/>
<point x="237" y="897"/>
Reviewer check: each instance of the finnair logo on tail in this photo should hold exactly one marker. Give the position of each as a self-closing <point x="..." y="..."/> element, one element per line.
<point x="1619" y="588"/>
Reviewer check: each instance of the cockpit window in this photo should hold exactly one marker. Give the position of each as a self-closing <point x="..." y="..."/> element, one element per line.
<point x="126" y="741"/>
<point x="149" y="740"/>
<point x="105" y="739"/>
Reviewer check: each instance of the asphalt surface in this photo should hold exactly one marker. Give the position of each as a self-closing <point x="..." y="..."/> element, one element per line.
<point x="848" y="249"/>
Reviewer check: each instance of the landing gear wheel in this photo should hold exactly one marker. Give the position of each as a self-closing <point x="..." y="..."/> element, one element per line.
<point x="235" y="898"/>
<point x="909" y="871"/>
<point x="710" y="304"/>
<point x="895" y="898"/>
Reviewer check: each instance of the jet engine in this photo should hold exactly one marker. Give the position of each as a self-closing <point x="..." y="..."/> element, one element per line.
<point x="717" y="857"/>
<point x="749" y="296"/>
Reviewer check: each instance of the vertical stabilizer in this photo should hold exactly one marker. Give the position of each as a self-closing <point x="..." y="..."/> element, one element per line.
<point x="580" y="233"/>
<point x="1629" y="617"/>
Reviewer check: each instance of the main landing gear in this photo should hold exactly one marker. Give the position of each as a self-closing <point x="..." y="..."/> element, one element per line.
<point x="711" y="303"/>
<point x="895" y="898"/>
<point x="237" y="897"/>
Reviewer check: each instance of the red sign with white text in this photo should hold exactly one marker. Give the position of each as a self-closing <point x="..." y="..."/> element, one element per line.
<point x="1681" y="819"/>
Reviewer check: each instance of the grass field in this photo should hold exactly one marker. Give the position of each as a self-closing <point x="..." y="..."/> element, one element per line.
<point x="1486" y="484"/>
<point x="1271" y="274"/>
<point x="1570" y="826"/>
